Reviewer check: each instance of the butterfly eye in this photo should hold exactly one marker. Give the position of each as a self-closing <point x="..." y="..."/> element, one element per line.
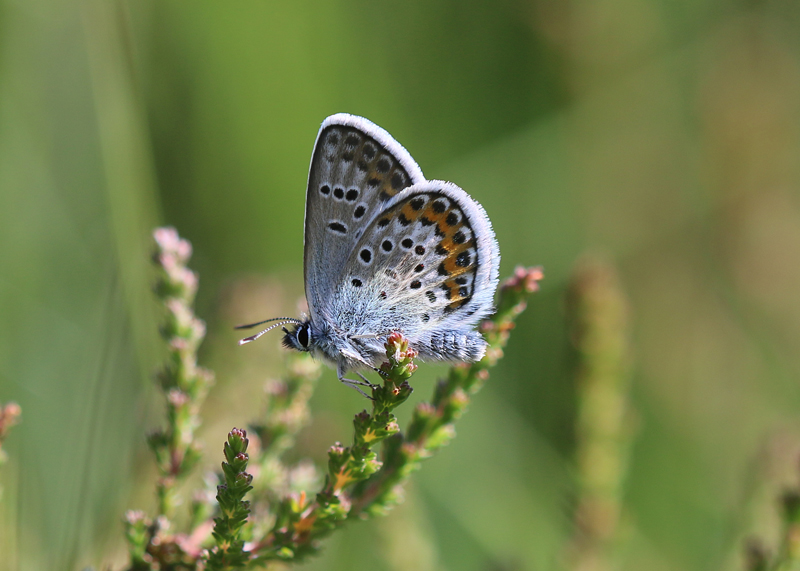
<point x="302" y="336"/>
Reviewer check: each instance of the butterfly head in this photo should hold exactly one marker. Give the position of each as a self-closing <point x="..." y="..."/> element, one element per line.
<point x="299" y="337"/>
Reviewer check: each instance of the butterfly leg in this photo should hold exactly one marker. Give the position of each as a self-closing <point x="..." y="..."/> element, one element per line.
<point x="354" y="384"/>
<point x="363" y="378"/>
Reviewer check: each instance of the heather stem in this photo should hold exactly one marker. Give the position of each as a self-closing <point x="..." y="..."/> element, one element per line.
<point x="597" y="314"/>
<point x="184" y="383"/>
<point x="229" y="551"/>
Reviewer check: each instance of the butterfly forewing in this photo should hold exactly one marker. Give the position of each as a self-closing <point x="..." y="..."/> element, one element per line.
<point x="429" y="258"/>
<point x="356" y="169"/>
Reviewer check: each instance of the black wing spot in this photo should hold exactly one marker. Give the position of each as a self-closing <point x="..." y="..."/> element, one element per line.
<point x="425" y="221"/>
<point x="325" y="189"/>
<point x="359" y="211"/>
<point x="439" y="206"/>
<point x="463" y="292"/>
<point x="416" y="284"/>
<point x="356" y="282"/>
<point x="407" y="243"/>
<point x="351" y="195"/>
<point x="362" y="166"/>
<point x="384" y="222"/>
<point x="442" y="270"/>
<point x="347" y="156"/>
<point x="351" y="140"/>
<point x="366" y="255"/>
<point x="338" y="193"/>
<point x="441" y="250"/>
<point x="387" y="246"/>
<point x="338" y="227"/>
<point x="419" y="268"/>
<point x="417" y="203"/>
<point x="459" y="237"/>
<point x="452" y="219"/>
<point x="374" y="182"/>
<point x="420" y="250"/>
<point x="403" y="220"/>
<point x="369" y="152"/>
<point x="333" y="138"/>
<point x="431" y="296"/>
<point x="398" y="181"/>
<point x="463" y="259"/>
<point x="383" y="165"/>
<point x="425" y="318"/>
<point x="461" y="280"/>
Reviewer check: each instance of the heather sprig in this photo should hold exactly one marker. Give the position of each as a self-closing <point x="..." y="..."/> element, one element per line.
<point x="597" y="315"/>
<point x="184" y="383"/>
<point x="154" y="543"/>
<point x="9" y="416"/>
<point x="229" y="552"/>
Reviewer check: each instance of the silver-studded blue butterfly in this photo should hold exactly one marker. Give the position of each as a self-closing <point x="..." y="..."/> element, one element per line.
<point x="387" y="250"/>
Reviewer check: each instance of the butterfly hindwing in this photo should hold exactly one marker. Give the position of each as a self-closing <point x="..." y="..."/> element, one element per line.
<point x="356" y="169"/>
<point x="426" y="265"/>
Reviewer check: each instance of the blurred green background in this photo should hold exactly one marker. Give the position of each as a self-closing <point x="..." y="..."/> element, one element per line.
<point x="662" y="134"/>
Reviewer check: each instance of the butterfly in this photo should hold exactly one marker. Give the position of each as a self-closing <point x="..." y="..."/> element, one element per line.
<point x="387" y="250"/>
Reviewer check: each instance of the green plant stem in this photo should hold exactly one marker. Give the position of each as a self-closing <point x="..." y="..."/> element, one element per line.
<point x="597" y="313"/>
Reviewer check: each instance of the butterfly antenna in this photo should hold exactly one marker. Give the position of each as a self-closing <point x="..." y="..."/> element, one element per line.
<point x="285" y="320"/>
<point x="270" y="328"/>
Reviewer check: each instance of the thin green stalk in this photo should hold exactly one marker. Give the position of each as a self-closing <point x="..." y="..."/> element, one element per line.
<point x="597" y="313"/>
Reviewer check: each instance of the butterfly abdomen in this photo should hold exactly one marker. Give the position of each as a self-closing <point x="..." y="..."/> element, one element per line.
<point x="453" y="345"/>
